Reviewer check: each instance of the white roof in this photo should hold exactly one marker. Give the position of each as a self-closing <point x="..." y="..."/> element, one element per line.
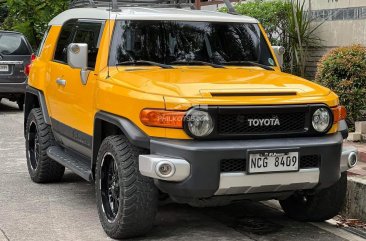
<point x="140" y="13"/>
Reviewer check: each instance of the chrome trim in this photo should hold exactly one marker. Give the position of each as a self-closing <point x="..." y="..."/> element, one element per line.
<point x="11" y="62"/>
<point x="347" y="151"/>
<point x="148" y="165"/>
<point x="61" y="82"/>
<point x="241" y="183"/>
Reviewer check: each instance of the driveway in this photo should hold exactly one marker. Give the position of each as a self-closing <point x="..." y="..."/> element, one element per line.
<point x="67" y="210"/>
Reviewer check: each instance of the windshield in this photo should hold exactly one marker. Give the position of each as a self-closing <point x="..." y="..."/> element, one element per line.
<point x="13" y="44"/>
<point x="169" y="42"/>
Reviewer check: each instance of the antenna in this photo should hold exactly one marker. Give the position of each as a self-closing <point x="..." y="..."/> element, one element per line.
<point x="230" y="7"/>
<point x="109" y="35"/>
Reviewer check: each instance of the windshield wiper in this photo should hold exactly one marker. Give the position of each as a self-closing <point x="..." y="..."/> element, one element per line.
<point x="197" y="62"/>
<point x="143" y="62"/>
<point x="248" y="63"/>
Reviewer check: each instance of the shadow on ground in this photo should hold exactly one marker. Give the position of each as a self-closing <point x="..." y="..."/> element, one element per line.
<point x="8" y="107"/>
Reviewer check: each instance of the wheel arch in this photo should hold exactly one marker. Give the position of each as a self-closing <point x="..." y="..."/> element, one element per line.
<point x="35" y="99"/>
<point x="106" y="124"/>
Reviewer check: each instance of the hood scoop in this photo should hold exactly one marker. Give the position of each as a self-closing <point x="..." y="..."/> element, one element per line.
<point x="240" y="94"/>
<point x="248" y="93"/>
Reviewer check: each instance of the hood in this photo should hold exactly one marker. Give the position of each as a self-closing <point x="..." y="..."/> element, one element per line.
<point x="196" y="82"/>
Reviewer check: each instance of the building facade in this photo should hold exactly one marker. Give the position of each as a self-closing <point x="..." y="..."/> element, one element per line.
<point x="343" y="23"/>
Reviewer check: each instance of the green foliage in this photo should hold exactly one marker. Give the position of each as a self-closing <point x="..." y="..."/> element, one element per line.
<point x="287" y="24"/>
<point x="302" y="35"/>
<point x="273" y="15"/>
<point x="3" y="11"/>
<point x="31" y="17"/>
<point x="344" y="71"/>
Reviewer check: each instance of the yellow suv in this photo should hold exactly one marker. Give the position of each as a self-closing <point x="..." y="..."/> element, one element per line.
<point x="152" y="103"/>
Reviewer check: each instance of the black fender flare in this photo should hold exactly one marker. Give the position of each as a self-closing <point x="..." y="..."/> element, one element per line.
<point x="134" y="134"/>
<point x="32" y="94"/>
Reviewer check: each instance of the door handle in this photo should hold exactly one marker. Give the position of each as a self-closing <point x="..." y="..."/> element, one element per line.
<point x="61" y="82"/>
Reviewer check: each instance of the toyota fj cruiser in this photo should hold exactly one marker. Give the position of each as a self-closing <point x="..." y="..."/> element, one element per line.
<point x="152" y="102"/>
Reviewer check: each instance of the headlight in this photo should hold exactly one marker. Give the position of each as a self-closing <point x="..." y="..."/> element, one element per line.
<point x="199" y="123"/>
<point x="321" y="120"/>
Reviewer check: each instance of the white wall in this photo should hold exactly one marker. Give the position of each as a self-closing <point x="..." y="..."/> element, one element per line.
<point x="326" y="4"/>
<point x="344" y="31"/>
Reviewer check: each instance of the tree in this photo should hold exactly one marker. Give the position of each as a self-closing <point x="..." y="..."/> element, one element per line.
<point x="3" y="12"/>
<point x="287" y="23"/>
<point x="31" y="17"/>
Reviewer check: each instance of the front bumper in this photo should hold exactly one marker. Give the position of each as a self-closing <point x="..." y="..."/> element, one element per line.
<point x="205" y="179"/>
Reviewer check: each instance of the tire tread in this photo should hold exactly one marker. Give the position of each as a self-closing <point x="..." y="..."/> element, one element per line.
<point x="140" y="196"/>
<point x="321" y="206"/>
<point x="47" y="170"/>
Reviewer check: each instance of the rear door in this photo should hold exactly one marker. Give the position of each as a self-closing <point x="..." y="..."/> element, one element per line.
<point x="15" y="54"/>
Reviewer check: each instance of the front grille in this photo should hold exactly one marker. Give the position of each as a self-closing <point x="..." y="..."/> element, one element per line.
<point x="309" y="161"/>
<point x="238" y="124"/>
<point x="239" y="165"/>
<point x="233" y="165"/>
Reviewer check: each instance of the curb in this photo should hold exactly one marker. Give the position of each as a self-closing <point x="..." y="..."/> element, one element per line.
<point x="355" y="203"/>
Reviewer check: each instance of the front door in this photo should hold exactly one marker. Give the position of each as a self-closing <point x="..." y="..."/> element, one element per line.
<point x="70" y="101"/>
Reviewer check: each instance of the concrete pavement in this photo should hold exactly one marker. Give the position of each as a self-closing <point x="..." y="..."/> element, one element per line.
<point x="67" y="211"/>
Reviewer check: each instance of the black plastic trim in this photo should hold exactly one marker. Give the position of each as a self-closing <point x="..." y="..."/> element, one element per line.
<point x="136" y="136"/>
<point x="205" y="156"/>
<point x="42" y="102"/>
<point x="214" y="111"/>
<point x="77" y="164"/>
<point x="72" y="133"/>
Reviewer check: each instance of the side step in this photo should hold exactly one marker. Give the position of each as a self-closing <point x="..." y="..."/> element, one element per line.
<point x="80" y="167"/>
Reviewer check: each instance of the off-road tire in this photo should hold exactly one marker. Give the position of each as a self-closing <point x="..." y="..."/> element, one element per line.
<point x="137" y="194"/>
<point x="318" y="207"/>
<point x="46" y="169"/>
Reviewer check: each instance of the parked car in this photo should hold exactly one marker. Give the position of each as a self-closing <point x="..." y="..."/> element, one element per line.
<point x="154" y="102"/>
<point x="15" y="55"/>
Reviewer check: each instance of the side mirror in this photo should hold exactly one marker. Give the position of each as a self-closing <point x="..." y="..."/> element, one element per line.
<point x="77" y="58"/>
<point x="279" y="52"/>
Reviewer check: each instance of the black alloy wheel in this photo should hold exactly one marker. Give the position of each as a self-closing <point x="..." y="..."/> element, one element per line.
<point x="110" y="190"/>
<point x="34" y="150"/>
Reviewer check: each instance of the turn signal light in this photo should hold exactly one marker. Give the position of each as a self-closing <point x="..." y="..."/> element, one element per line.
<point x="339" y="113"/>
<point x="162" y="118"/>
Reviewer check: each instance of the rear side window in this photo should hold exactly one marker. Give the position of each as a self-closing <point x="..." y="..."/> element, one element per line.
<point x="13" y="44"/>
<point x="64" y="40"/>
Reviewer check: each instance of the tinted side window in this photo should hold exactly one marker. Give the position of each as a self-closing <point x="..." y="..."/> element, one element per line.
<point x="63" y="42"/>
<point x="13" y="44"/>
<point x="89" y="33"/>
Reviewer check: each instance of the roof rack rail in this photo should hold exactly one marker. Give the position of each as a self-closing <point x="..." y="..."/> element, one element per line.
<point x="116" y="4"/>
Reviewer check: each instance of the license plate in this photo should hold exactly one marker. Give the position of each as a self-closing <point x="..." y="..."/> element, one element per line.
<point x="273" y="161"/>
<point x="4" y="68"/>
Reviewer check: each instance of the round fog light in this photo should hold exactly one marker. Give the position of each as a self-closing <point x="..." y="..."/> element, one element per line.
<point x="321" y="120"/>
<point x="165" y="169"/>
<point x="352" y="159"/>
